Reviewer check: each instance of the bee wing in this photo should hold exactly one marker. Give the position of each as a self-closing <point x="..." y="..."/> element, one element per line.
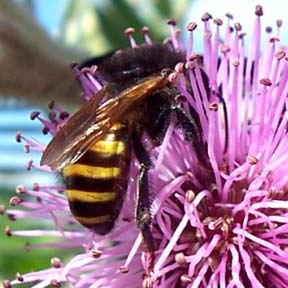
<point x="93" y="121"/>
<point x="63" y="148"/>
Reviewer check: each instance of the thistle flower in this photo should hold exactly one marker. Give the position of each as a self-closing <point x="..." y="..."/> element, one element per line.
<point x="222" y="224"/>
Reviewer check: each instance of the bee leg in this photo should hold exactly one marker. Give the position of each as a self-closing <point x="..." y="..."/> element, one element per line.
<point x="143" y="218"/>
<point x="160" y="126"/>
<point x="225" y="122"/>
<point x="193" y="133"/>
<point x="189" y="125"/>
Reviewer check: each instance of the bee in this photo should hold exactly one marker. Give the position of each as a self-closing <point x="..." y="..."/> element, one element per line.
<point x="93" y="148"/>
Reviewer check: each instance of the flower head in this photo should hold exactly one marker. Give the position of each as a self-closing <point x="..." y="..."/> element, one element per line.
<point x="219" y="210"/>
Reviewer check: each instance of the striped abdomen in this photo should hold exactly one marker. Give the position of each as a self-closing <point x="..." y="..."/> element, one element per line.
<point x="97" y="182"/>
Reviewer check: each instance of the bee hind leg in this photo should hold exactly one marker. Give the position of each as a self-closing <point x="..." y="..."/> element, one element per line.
<point x="142" y="211"/>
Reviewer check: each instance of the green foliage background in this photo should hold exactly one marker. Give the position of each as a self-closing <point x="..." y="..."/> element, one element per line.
<point x="99" y="27"/>
<point x="14" y="257"/>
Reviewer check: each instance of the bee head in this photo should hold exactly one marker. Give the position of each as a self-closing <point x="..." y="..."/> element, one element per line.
<point x="140" y="62"/>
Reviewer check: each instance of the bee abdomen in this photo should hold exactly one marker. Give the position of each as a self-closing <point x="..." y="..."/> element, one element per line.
<point x="97" y="182"/>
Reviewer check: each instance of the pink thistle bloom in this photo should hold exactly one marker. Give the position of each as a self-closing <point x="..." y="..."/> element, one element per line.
<point x="223" y="224"/>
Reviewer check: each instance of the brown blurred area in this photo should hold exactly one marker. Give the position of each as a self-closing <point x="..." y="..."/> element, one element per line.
<point x="34" y="68"/>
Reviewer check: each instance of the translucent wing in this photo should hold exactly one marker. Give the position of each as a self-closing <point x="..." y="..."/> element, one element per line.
<point x="93" y="121"/>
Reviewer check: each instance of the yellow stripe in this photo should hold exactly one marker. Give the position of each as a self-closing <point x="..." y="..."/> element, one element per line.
<point x="90" y="197"/>
<point x="93" y="220"/>
<point x="91" y="171"/>
<point x="110" y="147"/>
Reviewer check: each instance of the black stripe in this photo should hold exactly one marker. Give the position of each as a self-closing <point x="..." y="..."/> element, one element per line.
<point x="95" y="159"/>
<point x="98" y="185"/>
<point x="96" y="209"/>
<point x="102" y="228"/>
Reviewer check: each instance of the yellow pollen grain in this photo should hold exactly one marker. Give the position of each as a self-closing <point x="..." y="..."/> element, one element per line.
<point x="89" y="197"/>
<point x="116" y="127"/>
<point x="91" y="171"/>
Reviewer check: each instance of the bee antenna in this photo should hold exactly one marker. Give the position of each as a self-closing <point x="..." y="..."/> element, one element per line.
<point x="129" y="33"/>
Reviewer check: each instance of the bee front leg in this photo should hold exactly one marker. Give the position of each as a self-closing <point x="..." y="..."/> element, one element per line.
<point x="142" y="211"/>
<point x="192" y="132"/>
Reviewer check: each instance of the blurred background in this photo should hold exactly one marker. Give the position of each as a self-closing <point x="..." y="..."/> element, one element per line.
<point x="38" y="41"/>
